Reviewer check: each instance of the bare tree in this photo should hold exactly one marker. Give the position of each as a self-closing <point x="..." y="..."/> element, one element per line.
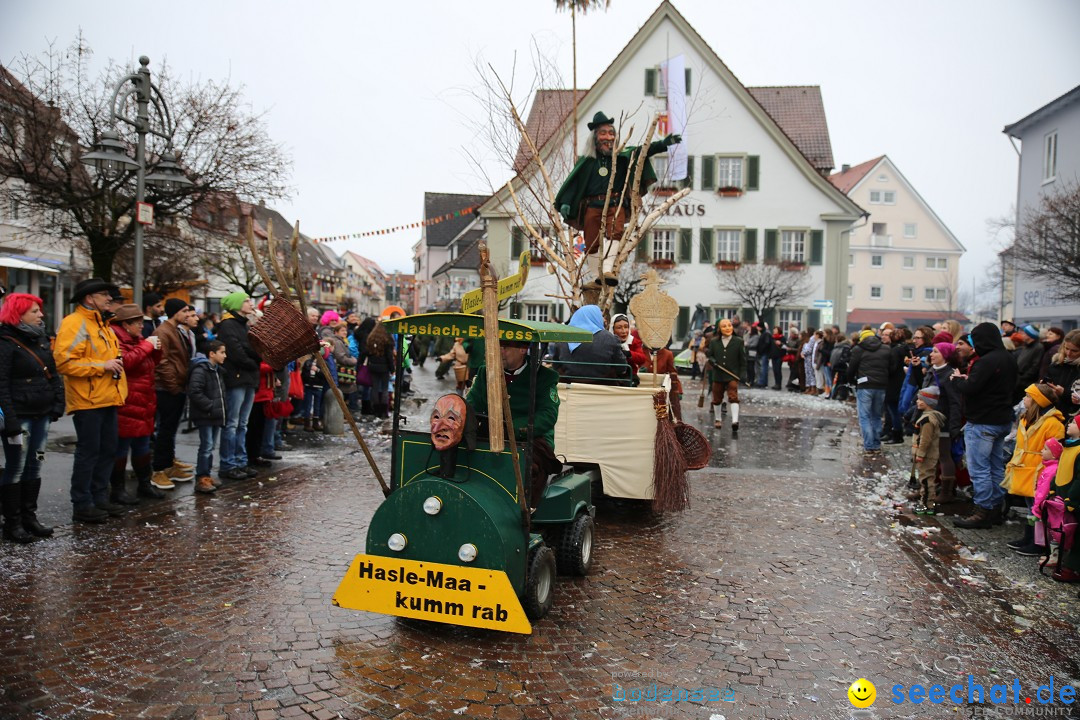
<point x="233" y="263"/>
<point x="632" y="280"/>
<point x="168" y="262"/>
<point x="1047" y="242"/>
<point x="50" y="112"/>
<point x="764" y="286"/>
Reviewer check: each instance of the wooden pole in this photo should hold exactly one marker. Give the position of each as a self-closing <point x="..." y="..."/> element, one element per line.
<point x="496" y="383"/>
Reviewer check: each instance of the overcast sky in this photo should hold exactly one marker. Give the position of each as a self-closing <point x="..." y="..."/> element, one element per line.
<point x="375" y="101"/>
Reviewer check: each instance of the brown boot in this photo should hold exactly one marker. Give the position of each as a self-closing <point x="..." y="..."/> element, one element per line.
<point x="307" y="425"/>
<point x="979" y="519"/>
<point x="205" y="484"/>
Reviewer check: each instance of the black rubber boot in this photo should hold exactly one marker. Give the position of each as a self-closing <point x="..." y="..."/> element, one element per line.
<point x="118" y="484"/>
<point x="29" y="490"/>
<point x="10" y="499"/>
<point x="143" y="472"/>
<point x="1028" y="538"/>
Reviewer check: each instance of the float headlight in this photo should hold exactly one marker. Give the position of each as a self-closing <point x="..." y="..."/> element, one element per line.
<point x="397" y="542"/>
<point x="432" y="505"/>
<point x="467" y="552"/>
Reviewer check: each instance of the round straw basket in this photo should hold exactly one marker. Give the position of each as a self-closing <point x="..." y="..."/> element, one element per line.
<point x="695" y="446"/>
<point x="282" y="335"/>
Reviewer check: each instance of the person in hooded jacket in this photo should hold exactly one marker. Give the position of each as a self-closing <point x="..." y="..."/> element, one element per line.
<point x="869" y="368"/>
<point x="1029" y="357"/>
<point x="942" y="361"/>
<point x="987" y="392"/>
<point x="206" y="395"/>
<point x="31" y="397"/>
<point x="135" y="417"/>
<point x="241" y="380"/>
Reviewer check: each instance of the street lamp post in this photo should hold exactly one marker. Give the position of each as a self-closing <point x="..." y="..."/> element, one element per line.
<point x="110" y="153"/>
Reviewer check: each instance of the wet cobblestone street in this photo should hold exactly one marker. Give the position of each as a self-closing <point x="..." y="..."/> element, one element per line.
<point x="790" y="577"/>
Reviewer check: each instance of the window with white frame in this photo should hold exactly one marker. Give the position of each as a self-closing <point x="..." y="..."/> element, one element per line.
<point x="660" y="167"/>
<point x="793" y="246"/>
<point x="663" y="244"/>
<point x="907" y="293"/>
<point x="883" y="178"/>
<point x="875" y="292"/>
<point x="1050" y="156"/>
<point x="911" y="230"/>
<point x="537" y="312"/>
<point x="728" y="245"/>
<point x="729" y="172"/>
<point x="882" y="197"/>
<point x="877" y="261"/>
<point x="935" y="262"/>
<point x="851" y="260"/>
<point x="935" y="294"/>
<point x="850" y="291"/>
<point x="879" y="228"/>
<point x="909" y="262"/>
<point x="789" y="318"/>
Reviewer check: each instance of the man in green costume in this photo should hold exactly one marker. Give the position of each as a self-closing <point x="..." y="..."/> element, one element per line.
<point x="581" y="198"/>
<point x="519" y="388"/>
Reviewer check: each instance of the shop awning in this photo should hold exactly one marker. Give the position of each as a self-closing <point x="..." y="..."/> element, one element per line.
<point x="11" y="262"/>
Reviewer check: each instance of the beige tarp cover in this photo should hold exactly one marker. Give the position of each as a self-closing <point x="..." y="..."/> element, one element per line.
<point x="613" y="427"/>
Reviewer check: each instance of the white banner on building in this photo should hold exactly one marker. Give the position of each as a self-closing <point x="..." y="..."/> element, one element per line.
<point x="674" y="72"/>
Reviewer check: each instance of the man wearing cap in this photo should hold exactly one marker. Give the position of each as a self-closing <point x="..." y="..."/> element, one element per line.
<point x="170" y="386"/>
<point x="869" y="369"/>
<point x="581" y="198"/>
<point x="1008" y="327"/>
<point x="153" y="308"/>
<point x="241" y="368"/>
<point x="987" y="393"/>
<point x="1028" y="359"/>
<point x="87" y="354"/>
<point x="519" y="389"/>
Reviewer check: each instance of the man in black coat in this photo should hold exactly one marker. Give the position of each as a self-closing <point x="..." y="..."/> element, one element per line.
<point x="869" y="368"/>
<point x="987" y="392"/>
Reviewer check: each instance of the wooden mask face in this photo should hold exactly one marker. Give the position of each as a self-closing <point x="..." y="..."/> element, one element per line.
<point x="448" y="422"/>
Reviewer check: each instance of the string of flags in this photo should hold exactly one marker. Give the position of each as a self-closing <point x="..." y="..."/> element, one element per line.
<point x="386" y="231"/>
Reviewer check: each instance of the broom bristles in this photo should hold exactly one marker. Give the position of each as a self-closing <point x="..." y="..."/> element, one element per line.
<point x="671" y="492"/>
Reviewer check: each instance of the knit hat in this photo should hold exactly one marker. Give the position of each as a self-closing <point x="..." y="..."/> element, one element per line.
<point x="865" y="334"/>
<point x="1031" y="331"/>
<point x="942" y="337"/>
<point x="173" y="306"/>
<point x="233" y="301"/>
<point x="1035" y="394"/>
<point x="930" y="395"/>
<point x="947" y="350"/>
<point x="1055" y="447"/>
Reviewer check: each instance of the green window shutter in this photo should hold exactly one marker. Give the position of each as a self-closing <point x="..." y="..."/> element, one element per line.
<point x="515" y="311"/>
<point x="689" y="181"/>
<point x="650" y="81"/>
<point x="770" y="317"/>
<point x="687" y="76"/>
<point x="753" y="164"/>
<point x="748" y="315"/>
<point x="517" y="242"/>
<point x="686" y="245"/>
<point x="706" y="246"/>
<point x="817" y="247"/>
<point x="642" y="249"/>
<point x="772" y="245"/>
<point x="813" y="319"/>
<point x="750" y="245"/>
<point x="708" y="172"/>
<point x="682" y="325"/>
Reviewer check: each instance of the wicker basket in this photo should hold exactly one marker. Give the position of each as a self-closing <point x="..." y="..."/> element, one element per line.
<point x="695" y="446"/>
<point x="282" y="335"/>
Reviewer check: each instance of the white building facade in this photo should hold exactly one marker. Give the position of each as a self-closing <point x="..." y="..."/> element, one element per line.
<point x="759" y="162"/>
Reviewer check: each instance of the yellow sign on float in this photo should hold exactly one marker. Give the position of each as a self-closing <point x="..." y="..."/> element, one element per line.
<point x="473" y="301"/>
<point x="476" y="597"/>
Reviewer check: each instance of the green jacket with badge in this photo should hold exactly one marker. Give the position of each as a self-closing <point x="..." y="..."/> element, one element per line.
<point x="586" y="180"/>
<point x="520" y="390"/>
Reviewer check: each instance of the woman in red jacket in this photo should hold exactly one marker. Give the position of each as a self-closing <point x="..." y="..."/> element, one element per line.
<point x="136" y="416"/>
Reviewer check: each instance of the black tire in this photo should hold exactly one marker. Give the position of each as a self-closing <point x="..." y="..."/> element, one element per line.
<point x="576" y="546"/>
<point x="540" y="583"/>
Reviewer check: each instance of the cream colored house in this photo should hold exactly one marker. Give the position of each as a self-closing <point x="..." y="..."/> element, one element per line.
<point x="903" y="262"/>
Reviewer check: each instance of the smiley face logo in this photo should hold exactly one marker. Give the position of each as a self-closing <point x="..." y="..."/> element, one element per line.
<point x="862" y="693"/>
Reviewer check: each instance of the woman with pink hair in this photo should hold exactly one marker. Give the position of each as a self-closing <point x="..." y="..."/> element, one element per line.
<point x="31" y="397"/>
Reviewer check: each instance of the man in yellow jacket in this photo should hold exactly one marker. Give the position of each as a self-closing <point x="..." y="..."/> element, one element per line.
<point x="87" y="354"/>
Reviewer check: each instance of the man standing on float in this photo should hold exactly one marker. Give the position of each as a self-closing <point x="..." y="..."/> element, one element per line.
<point x="580" y="200"/>
<point x="728" y="362"/>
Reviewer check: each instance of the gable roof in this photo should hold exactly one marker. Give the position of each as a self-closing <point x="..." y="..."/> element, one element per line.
<point x="373" y="269"/>
<point x="549" y="109"/>
<point x="846" y="180"/>
<point x="800" y="113"/>
<point x="435" y="204"/>
<point x="864" y="170"/>
<point x="469" y="259"/>
<point x="1045" y="111"/>
<point x="784" y="105"/>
